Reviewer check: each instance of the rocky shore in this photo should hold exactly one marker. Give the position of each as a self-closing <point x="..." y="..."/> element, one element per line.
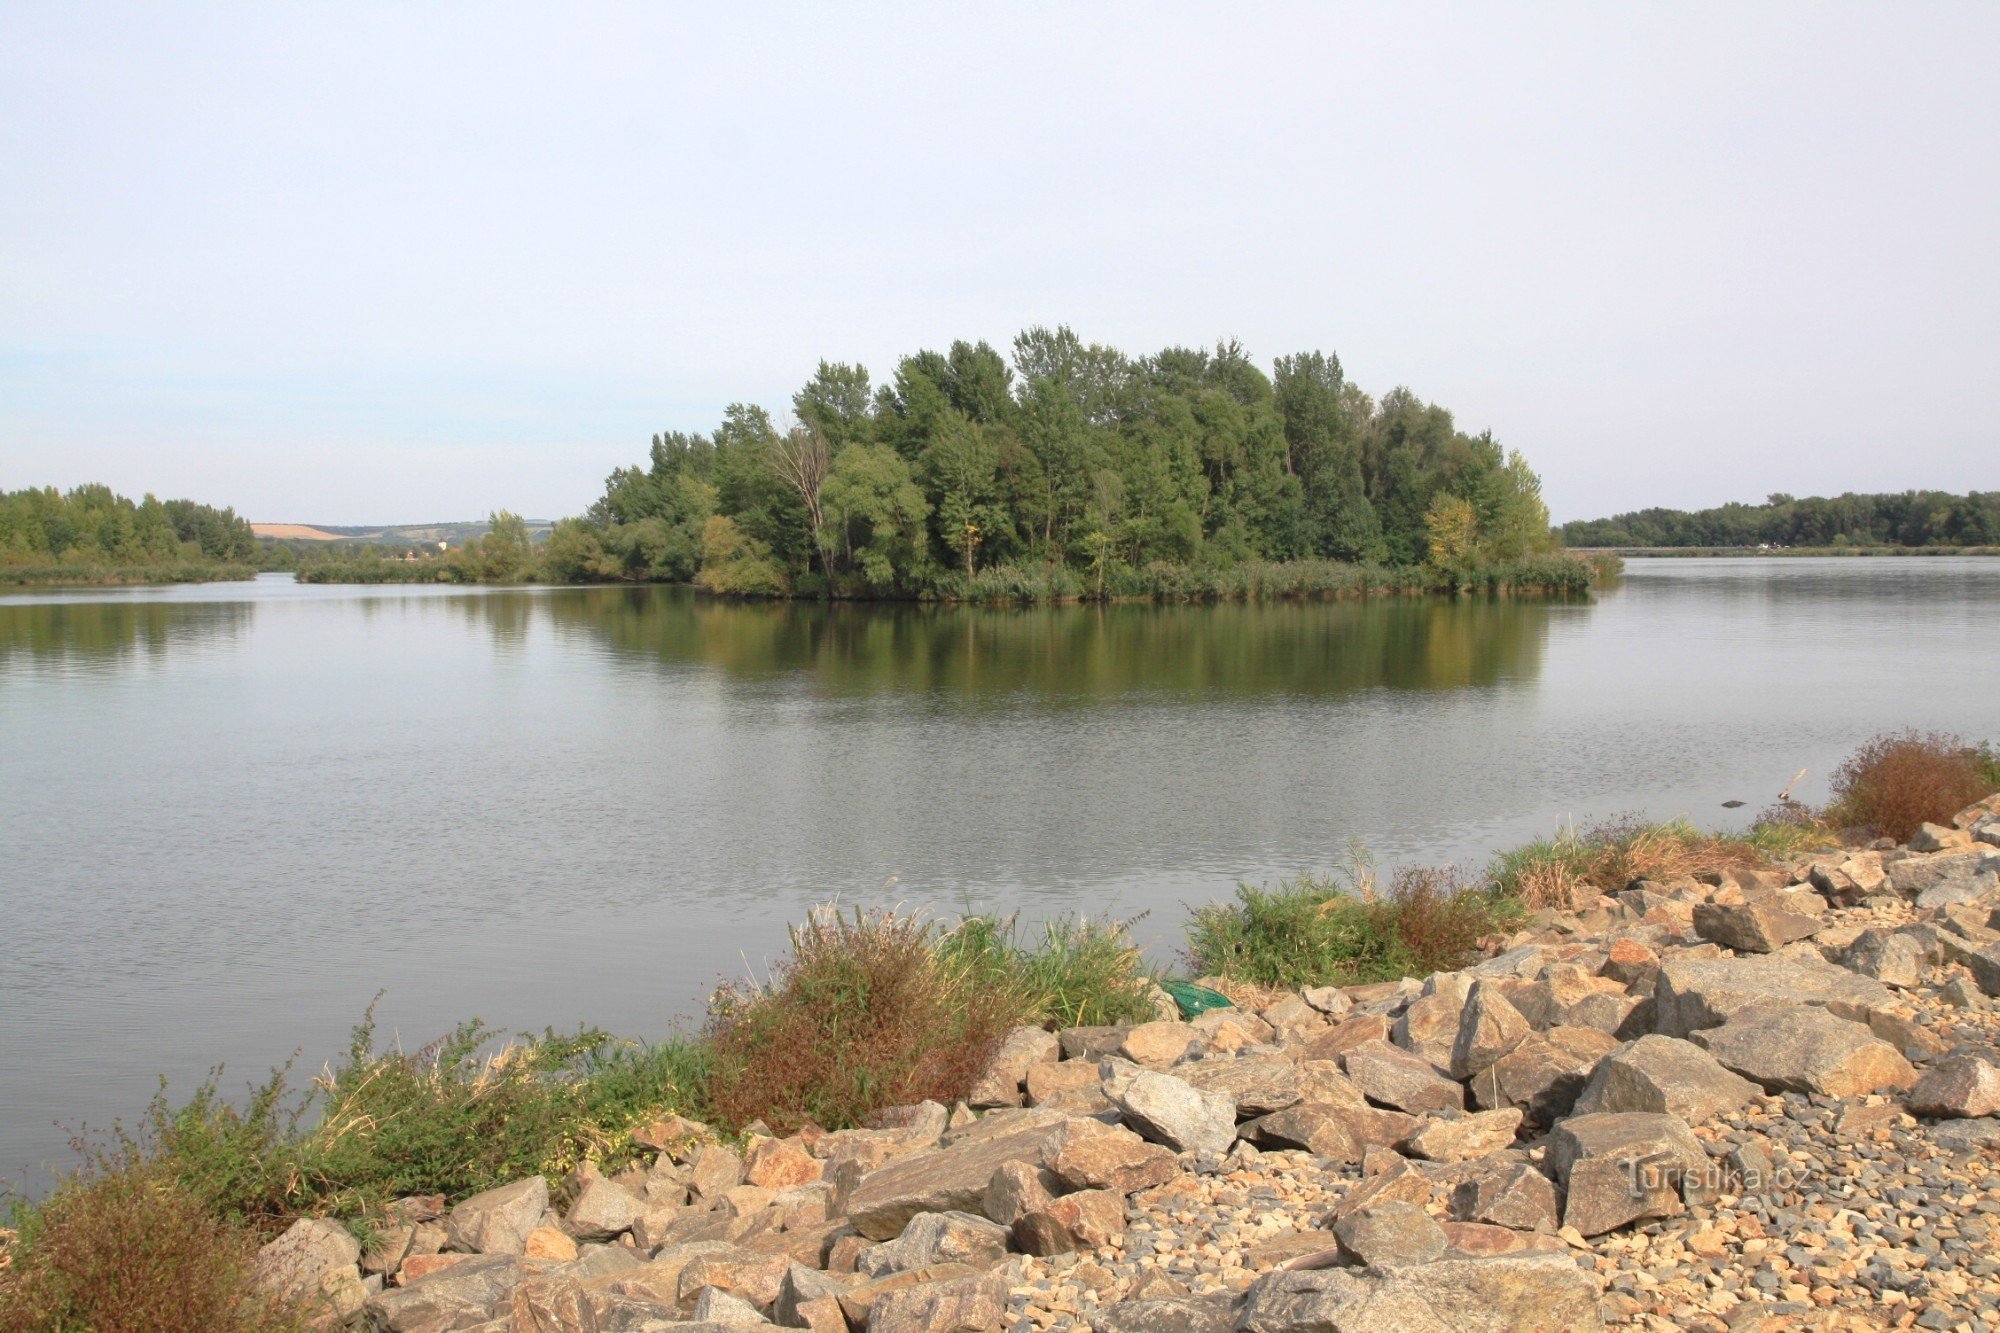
<point x="1762" y="1100"/>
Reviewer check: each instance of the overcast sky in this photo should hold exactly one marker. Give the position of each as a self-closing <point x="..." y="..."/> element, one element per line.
<point x="357" y="264"/>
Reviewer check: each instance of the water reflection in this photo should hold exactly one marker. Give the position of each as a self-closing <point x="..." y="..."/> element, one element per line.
<point x="57" y="634"/>
<point x="1056" y="653"/>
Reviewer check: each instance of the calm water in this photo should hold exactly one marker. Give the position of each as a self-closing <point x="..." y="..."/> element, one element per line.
<point x="229" y="815"/>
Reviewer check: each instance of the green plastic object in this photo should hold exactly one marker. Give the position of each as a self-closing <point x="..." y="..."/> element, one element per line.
<point x="1194" y="1000"/>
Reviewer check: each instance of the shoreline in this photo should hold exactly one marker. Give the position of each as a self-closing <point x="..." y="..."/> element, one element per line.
<point x="1291" y="1148"/>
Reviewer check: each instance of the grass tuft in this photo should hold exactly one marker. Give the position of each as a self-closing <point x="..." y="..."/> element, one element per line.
<point x="1335" y="931"/>
<point x="1572" y="868"/>
<point x="1074" y="972"/>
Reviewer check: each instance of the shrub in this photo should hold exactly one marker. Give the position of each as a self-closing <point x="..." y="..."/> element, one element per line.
<point x="1906" y="778"/>
<point x="868" y="1011"/>
<point x="1076" y="972"/>
<point x="131" y="1250"/>
<point x="1333" y="931"/>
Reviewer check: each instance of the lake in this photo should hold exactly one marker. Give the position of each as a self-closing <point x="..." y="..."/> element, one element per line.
<point x="230" y="814"/>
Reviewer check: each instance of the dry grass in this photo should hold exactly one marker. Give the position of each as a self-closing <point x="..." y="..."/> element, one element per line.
<point x="132" y="1251"/>
<point x="1904" y="779"/>
<point x="1573" y="868"/>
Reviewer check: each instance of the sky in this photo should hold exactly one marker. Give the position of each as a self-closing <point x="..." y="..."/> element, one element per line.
<point x="386" y="264"/>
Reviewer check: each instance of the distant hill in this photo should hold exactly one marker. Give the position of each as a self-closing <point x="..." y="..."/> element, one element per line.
<point x="407" y="534"/>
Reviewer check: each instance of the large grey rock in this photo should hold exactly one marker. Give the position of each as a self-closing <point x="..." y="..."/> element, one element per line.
<point x="1953" y="890"/>
<point x="949" y="1178"/>
<point x="1967" y="1135"/>
<point x="1173" y="1111"/>
<point x="1892" y="957"/>
<point x="1393" y="1077"/>
<point x="1342" y="1133"/>
<point x="1429" y="1027"/>
<point x="961" y="1305"/>
<point x="802" y="1284"/>
<point x="1912" y="876"/>
<point x="1489" y="1027"/>
<point x="1018" y="1188"/>
<point x="1090" y="1155"/>
<point x="1021" y="1048"/>
<point x="315" y="1264"/>
<point x="1664" y="1075"/>
<point x="1544" y="1074"/>
<point x="1760" y="925"/>
<point x="1528" y="1293"/>
<point x="937" y="1238"/>
<point x="1512" y="1195"/>
<point x="1617" y="1168"/>
<point x="1462" y="1138"/>
<point x="1807" y="1050"/>
<point x="450" y="1298"/>
<point x="1696" y="993"/>
<point x="1179" y="1314"/>
<point x="1389" y="1234"/>
<point x="497" y="1221"/>
<point x="603" y="1209"/>
<point x="1957" y="1087"/>
<point x="1258" y="1085"/>
<point x="1158" y="1044"/>
<point x="726" y="1308"/>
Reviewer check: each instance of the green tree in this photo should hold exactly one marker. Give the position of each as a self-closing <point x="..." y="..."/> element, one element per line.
<point x="875" y="516"/>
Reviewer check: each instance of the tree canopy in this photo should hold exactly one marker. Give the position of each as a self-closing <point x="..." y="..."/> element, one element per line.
<point x="1062" y="454"/>
<point x="94" y="526"/>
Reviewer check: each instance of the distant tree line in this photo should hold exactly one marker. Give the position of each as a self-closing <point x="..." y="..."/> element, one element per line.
<point x="1068" y="467"/>
<point x="505" y="553"/>
<point x="1908" y="519"/>
<point x="93" y="527"/>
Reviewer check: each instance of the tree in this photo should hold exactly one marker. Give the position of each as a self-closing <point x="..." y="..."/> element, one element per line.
<point x="735" y="563"/>
<point x="1453" y="526"/>
<point x="961" y="464"/>
<point x="876" y="513"/>
<point x="801" y="458"/>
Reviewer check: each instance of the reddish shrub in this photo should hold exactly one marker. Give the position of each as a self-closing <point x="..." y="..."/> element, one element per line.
<point x="1906" y="778"/>
<point x="131" y="1251"/>
<point x="866" y="1013"/>
<point x="1436" y="918"/>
